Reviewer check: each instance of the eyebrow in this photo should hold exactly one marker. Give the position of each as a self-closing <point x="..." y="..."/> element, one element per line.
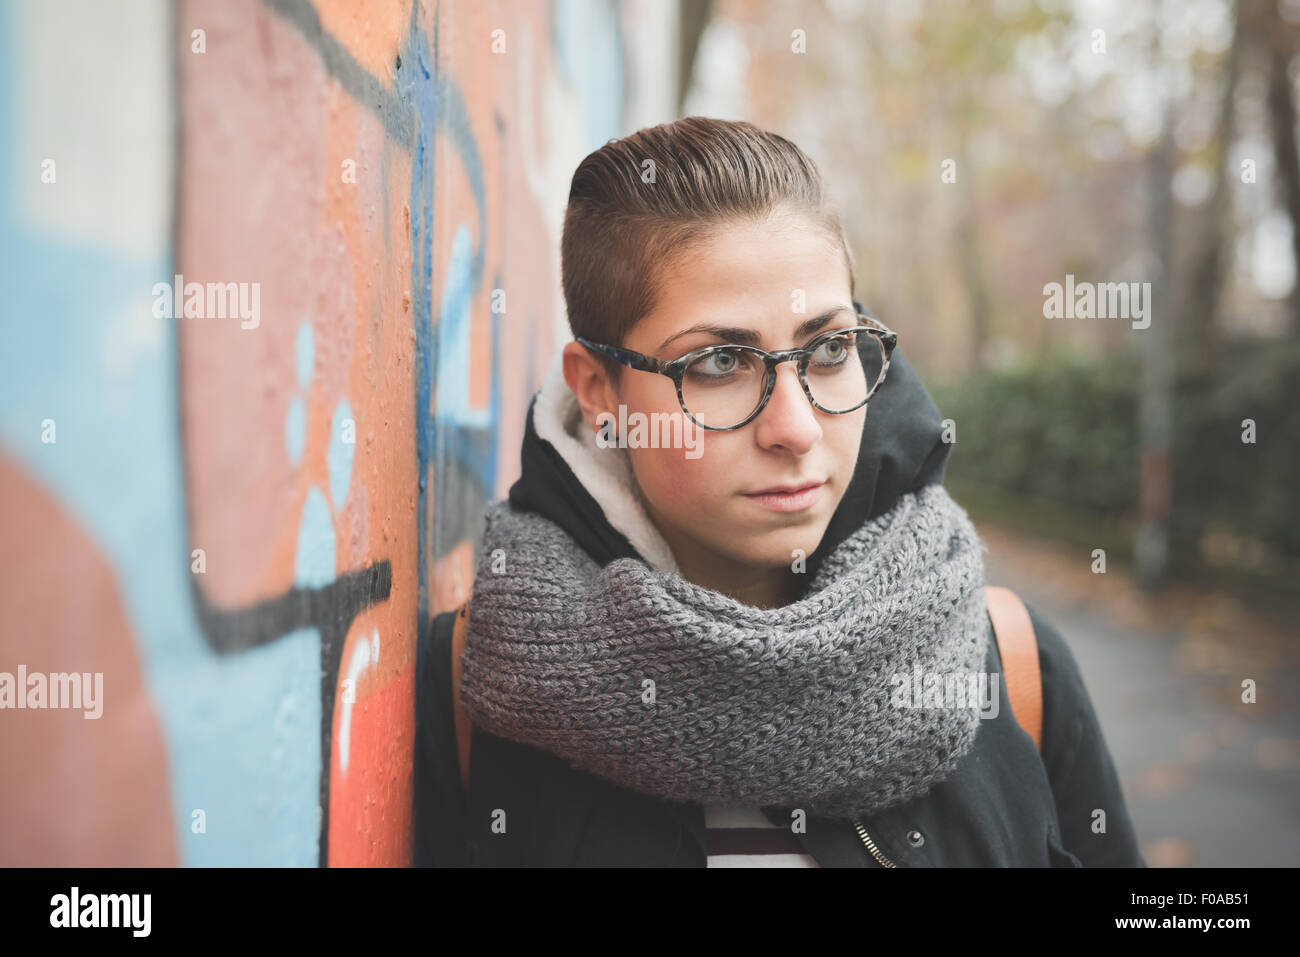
<point x="748" y="337"/>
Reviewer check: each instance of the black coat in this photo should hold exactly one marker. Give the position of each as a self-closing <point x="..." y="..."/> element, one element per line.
<point x="1004" y="806"/>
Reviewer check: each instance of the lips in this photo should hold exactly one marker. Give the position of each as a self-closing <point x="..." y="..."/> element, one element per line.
<point x="788" y="498"/>
<point x="786" y="489"/>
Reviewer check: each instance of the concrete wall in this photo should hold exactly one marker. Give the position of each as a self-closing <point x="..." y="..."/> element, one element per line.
<point x="239" y="519"/>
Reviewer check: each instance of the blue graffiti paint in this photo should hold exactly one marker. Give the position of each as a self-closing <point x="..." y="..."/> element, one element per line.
<point x="439" y="108"/>
<point x="454" y="359"/>
<point x="295" y="429"/>
<point x="340" y="453"/>
<point x="295" y="424"/>
<point x="417" y="86"/>
<point x="314" y="563"/>
<point x="304" y="353"/>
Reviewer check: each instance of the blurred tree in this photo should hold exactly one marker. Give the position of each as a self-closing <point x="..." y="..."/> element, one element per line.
<point x="1282" y="41"/>
<point x="1200" y="297"/>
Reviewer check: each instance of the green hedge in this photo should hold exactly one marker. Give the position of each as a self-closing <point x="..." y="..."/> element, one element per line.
<point x="1055" y="444"/>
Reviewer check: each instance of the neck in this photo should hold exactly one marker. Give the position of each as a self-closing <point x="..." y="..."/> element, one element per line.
<point x="757" y="586"/>
<point x="766" y="588"/>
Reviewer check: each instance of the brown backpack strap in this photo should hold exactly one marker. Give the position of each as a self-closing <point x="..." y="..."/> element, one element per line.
<point x="463" y="726"/>
<point x="1018" y="647"/>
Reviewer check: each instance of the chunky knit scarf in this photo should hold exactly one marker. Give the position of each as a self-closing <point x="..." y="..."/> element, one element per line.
<point x="640" y="677"/>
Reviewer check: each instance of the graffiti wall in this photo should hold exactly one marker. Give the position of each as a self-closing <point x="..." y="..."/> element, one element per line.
<point x="279" y="278"/>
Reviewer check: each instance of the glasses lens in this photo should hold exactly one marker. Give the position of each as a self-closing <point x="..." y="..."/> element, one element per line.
<point x="722" y="388"/>
<point x="844" y="370"/>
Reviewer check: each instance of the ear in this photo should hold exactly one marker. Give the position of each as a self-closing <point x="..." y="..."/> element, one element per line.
<point x="590" y="384"/>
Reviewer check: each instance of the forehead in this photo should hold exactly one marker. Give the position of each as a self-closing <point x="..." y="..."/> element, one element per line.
<point x="770" y="276"/>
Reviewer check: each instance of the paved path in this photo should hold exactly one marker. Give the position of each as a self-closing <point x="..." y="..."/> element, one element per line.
<point x="1210" y="781"/>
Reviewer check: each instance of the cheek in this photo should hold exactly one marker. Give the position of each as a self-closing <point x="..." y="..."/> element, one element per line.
<point x="846" y="442"/>
<point x="677" y="483"/>
<point x="649" y="394"/>
<point x="683" y="479"/>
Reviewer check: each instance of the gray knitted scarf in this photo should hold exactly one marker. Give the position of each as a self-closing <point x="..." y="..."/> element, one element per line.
<point x="659" y="685"/>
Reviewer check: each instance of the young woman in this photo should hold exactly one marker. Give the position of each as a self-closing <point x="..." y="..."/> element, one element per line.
<point x="708" y="623"/>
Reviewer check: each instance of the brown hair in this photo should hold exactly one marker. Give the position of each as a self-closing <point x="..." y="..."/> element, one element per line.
<point x="622" y="228"/>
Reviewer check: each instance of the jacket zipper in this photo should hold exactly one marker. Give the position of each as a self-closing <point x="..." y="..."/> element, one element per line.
<point x="871" y="846"/>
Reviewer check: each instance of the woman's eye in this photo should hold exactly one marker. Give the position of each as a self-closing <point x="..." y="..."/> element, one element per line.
<point x="831" y="353"/>
<point x="719" y="363"/>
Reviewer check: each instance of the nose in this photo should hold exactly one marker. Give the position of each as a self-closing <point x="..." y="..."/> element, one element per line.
<point x="788" y="421"/>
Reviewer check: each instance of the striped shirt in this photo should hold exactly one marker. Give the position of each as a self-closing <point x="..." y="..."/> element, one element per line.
<point x="744" y="837"/>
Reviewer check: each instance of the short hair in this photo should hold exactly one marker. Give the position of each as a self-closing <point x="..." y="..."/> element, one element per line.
<point x="622" y="231"/>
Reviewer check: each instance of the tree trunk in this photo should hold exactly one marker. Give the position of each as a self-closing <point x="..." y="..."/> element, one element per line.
<point x="1281" y="39"/>
<point x="1198" y="313"/>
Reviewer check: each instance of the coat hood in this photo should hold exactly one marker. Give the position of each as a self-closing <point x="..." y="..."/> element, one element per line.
<point x="591" y="493"/>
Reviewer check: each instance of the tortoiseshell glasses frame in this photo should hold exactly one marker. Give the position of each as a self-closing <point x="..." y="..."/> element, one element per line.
<point x="675" y="369"/>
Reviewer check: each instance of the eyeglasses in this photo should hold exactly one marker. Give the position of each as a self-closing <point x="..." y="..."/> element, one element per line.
<point x="840" y="371"/>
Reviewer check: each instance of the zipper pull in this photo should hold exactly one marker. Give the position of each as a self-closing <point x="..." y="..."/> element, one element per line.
<point x="871" y="846"/>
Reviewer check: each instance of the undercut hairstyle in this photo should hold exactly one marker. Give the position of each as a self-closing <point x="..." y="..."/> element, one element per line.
<point x="638" y="203"/>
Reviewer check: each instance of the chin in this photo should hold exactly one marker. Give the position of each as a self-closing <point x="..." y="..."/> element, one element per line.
<point x="776" y="549"/>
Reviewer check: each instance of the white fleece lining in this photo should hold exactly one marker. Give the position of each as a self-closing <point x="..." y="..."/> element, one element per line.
<point x="605" y="473"/>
